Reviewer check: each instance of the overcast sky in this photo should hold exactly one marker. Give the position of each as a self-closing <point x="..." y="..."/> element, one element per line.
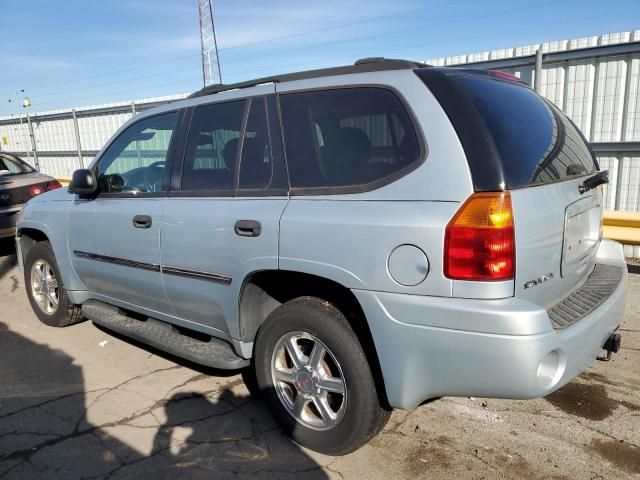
<point x="67" y="53"/>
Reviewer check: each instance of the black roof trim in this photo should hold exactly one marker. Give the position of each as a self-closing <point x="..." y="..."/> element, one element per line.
<point x="370" y="64"/>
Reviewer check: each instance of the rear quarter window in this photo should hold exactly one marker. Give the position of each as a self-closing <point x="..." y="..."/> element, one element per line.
<point x="350" y="139"/>
<point x="513" y="138"/>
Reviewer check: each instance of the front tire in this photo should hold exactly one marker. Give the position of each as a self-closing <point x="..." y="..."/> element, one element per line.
<point x="45" y="289"/>
<point x="316" y="377"/>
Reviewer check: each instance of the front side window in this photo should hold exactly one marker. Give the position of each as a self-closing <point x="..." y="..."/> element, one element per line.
<point x="213" y="146"/>
<point x="135" y="161"/>
<point x="346" y="137"/>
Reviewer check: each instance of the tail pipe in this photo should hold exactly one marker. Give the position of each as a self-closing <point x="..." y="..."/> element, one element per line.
<point x="612" y="345"/>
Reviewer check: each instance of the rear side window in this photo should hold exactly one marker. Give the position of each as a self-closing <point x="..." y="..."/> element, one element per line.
<point x="512" y="137"/>
<point x="348" y="138"/>
<point x="213" y="146"/>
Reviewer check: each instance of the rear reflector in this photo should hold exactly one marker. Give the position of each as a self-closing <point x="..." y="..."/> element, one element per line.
<point x="52" y="185"/>
<point x="479" y="239"/>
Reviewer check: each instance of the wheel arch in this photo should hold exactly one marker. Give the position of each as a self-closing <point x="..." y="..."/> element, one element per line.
<point x="264" y="291"/>
<point x="28" y="234"/>
<point x="28" y="237"/>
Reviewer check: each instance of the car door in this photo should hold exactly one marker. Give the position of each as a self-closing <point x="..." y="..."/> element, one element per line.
<point x="114" y="238"/>
<point x="221" y="221"/>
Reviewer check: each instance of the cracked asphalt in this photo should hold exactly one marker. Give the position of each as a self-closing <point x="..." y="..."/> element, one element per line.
<point x="75" y="407"/>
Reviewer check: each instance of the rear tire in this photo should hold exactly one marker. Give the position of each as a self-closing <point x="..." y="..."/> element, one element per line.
<point x="45" y="289"/>
<point x="306" y="353"/>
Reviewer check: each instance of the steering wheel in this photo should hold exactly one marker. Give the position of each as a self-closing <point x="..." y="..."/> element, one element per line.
<point x="158" y="169"/>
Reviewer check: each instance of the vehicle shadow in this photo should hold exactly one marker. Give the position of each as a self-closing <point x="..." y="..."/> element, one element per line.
<point x="228" y="437"/>
<point x="45" y="431"/>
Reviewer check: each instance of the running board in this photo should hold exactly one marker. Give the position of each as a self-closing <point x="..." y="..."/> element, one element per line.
<point x="214" y="353"/>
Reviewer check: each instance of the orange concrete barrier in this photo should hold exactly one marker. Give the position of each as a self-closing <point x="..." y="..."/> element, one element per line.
<point x="623" y="227"/>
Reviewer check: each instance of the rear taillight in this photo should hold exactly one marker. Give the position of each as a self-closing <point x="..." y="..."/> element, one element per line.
<point x="479" y="240"/>
<point x="35" y="190"/>
<point x="52" y="185"/>
<point x="506" y="76"/>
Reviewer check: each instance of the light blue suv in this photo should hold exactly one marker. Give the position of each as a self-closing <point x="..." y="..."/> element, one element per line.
<point x="365" y="237"/>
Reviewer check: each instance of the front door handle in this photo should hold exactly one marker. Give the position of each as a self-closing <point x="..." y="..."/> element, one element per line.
<point x="248" y="228"/>
<point x="142" y="221"/>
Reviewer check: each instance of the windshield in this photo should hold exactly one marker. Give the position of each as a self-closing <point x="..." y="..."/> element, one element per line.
<point x="10" y="165"/>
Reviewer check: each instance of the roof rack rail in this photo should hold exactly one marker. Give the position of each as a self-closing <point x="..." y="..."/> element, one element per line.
<point x="370" y="64"/>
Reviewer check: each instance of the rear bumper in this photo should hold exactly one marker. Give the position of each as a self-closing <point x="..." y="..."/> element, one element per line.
<point x="7" y="232"/>
<point x="512" y="352"/>
<point x="8" y="219"/>
<point x="8" y="223"/>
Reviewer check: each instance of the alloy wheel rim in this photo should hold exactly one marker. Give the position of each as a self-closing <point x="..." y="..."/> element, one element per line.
<point x="309" y="380"/>
<point x="44" y="287"/>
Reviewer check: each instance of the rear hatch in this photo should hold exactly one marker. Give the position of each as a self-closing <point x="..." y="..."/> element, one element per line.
<point x="517" y="141"/>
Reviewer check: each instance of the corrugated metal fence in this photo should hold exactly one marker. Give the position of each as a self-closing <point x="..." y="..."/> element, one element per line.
<point x="60" y="146"/>
<point x="595" y="80"/>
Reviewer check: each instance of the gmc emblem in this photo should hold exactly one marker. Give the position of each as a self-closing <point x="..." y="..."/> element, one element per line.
<point x="538" y="281"/>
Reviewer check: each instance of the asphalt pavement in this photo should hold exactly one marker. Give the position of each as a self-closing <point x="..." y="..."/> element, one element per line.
<point x="83" y="403"/>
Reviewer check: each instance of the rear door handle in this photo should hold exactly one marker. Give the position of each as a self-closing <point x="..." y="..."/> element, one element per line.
<point x="248" y="228"/>
<point x="142" y="221"/>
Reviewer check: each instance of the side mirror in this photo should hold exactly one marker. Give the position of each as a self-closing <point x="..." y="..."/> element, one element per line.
<point x="83" y="182"/>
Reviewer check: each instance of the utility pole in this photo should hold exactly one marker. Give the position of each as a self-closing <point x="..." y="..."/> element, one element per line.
<point x="33" y="144"/>
<point x="537" y="79"/>
<point x="19" y="112"/>
<point x="211" y="72"/>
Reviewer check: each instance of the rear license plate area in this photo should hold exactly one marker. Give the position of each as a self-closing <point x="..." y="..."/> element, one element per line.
<point x="582" y="232"/>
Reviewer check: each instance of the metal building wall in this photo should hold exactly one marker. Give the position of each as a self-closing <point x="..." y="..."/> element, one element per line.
<point x="55" y="137"/>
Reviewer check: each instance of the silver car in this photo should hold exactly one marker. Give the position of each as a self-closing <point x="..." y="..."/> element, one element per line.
<point x="364" y="237"/>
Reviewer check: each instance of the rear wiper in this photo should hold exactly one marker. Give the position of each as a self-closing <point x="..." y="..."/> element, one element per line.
<point x="592" y="182"/>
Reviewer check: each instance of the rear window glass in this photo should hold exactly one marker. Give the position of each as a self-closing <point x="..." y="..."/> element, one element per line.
<point x="346" y="137"/>
<point x="10" y="165"/>
<point x="536" y="143"/>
